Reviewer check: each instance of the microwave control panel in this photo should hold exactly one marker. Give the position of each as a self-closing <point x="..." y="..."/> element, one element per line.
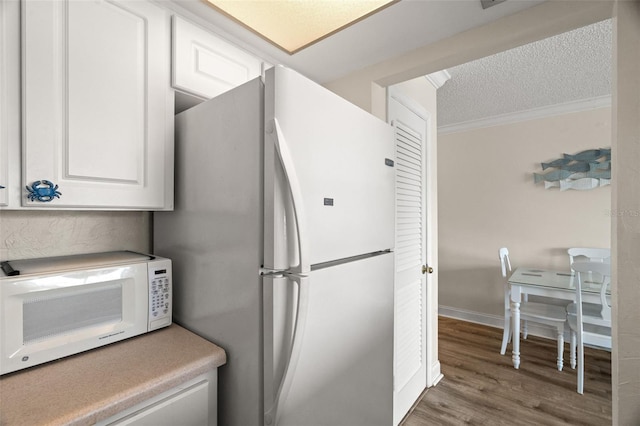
<point x="160" y="293"/>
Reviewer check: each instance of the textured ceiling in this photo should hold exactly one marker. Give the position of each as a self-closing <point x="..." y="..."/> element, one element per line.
<point x="400" y="28"/>
<point x="566" y="68"/>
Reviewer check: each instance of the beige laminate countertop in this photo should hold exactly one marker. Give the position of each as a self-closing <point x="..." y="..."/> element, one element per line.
<point x="95" y="385"/>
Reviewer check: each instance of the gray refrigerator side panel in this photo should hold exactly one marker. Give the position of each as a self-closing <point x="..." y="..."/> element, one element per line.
<point x="214" y="237"/>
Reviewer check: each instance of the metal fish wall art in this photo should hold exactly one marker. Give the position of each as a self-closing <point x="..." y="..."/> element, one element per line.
<point x="598" y="174"/>
<point x="588" y="155"/>
<point x="579" y="184"/>
<point x="555" y="163"/>
<point x="585" y="170"/>
<point x="552" y="176"/>
<point x="603" y="165"/>
<point x="576" y="166"/>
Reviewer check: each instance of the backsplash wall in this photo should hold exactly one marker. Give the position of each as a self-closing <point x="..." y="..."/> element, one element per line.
<point x="30" y="234"/>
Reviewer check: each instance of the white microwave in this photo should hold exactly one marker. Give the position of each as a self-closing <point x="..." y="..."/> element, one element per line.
<point x="55" y="307"/>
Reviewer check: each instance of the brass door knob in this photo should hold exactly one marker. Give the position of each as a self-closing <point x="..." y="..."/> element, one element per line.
<point x="426" y="268"/>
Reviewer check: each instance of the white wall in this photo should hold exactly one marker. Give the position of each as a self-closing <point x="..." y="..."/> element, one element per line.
<point x="626" y="220"/>
<point x="488" y="200"/>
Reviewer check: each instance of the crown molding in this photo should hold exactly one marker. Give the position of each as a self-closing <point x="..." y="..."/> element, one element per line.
<point x="438" y="78"/>
<point x="531" y="114"/>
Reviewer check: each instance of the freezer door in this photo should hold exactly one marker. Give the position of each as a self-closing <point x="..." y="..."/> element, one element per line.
<point x="329" y="345"/>
<point x="329" y="175"/>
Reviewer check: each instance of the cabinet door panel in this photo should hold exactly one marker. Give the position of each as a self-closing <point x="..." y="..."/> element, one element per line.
<point x="185" y="408"/>
<point x="98" y="149"/>
<point x="206" y="65"/>
<point x="97" y="104"/>
<point x="9" y="103"/>
<point x="4" y="139"/>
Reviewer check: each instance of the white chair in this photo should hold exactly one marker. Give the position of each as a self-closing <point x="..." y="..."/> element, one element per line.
<point x="586" y="254"/>
<point x="590" y="323"/>
<point x="541" y="313"/>
<point x="589" y="254"/>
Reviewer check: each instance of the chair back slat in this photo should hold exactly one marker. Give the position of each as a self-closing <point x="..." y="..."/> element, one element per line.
<point x="591" y="254"/>
<point x="595" y="273"/>
<point x="505" y="263"/>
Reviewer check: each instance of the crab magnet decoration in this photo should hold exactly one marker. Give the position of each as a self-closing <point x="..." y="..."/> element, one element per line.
<point x="43" y="190"/>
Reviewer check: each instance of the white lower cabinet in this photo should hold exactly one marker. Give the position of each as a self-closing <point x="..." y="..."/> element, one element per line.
<point x="205" y="65"/>
<point x="97" y="105"/>
<point x="193" y="403"/>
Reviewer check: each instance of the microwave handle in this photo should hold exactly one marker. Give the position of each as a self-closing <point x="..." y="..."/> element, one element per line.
<point x="6" y="267"/>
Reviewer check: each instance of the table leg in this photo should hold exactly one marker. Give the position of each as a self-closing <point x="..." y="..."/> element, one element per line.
<point x="560" y="338"/>
<point x="515" y="314"/>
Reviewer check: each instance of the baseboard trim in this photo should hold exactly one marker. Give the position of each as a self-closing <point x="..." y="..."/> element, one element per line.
<point x="436" y="374"/>
<point x="437" y="380"/>
<point x="538" y="330"/>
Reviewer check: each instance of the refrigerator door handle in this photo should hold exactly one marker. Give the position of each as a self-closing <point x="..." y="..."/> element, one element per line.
<point x="271" y="413"/>
<point x="273" y="129"/>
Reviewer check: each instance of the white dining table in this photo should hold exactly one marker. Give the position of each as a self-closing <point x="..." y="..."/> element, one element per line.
<point x="547" y="283"/>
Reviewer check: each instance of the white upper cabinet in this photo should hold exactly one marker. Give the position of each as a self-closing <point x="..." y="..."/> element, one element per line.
<point x="9" y="103"/>
<point x="98" y="106"/>
<point x="206" y="65"/>
<point x="4" y="141"/>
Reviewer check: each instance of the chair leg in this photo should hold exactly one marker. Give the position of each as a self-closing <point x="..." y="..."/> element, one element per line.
<point x="560" y="348"/>
<point x="506" y="333"/>
<point x="580" y="366"/>
<point x="572" y="347"/>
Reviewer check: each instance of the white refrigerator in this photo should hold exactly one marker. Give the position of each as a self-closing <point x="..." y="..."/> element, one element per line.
<point x="281" y="242"/>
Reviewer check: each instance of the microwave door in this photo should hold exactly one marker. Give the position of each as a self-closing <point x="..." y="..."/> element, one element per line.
<point x="48" y="317"/>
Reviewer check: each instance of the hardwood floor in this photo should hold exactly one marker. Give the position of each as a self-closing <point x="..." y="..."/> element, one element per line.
<point x="481" y="387"/>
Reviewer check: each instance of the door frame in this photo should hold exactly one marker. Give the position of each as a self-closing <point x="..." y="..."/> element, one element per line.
<point x="434" y="374"/>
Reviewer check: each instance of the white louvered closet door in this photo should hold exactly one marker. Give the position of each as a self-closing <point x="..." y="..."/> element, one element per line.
<point x="410" y="374"/>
